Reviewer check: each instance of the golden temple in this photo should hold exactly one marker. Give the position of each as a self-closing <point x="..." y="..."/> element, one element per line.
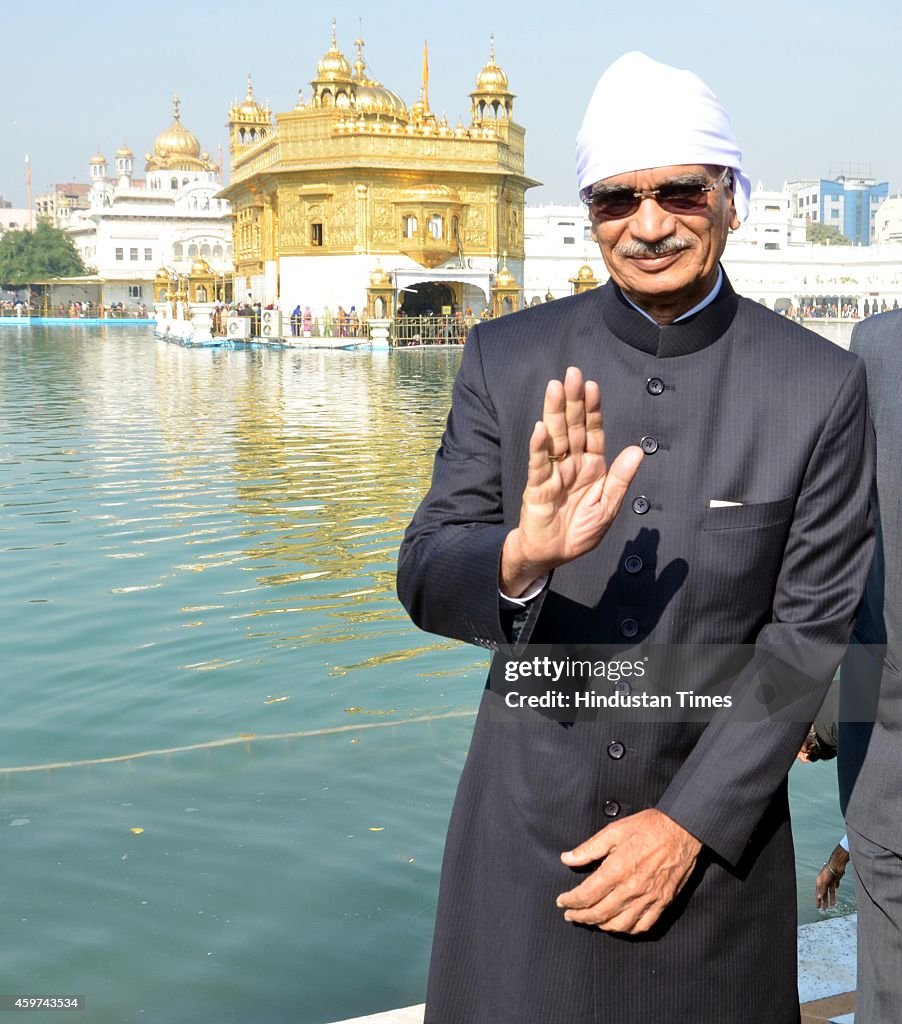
<point x="353" y="192"/>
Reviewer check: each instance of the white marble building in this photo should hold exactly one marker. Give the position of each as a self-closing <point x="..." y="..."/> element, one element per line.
<point x="888" y="221"/>
<point x="134" y="227"/>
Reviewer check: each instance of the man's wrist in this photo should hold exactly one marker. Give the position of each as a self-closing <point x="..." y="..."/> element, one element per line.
<point x="528" y="595"/>
<point x="516" y="573"/>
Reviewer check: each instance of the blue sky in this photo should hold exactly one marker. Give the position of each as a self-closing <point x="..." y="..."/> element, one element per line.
<point x="809" y="86"/>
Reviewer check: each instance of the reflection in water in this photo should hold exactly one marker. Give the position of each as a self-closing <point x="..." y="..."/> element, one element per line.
<point x="199" y="550"/>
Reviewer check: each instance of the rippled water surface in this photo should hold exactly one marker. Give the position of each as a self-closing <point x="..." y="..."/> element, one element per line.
<point x="228" y="757"/>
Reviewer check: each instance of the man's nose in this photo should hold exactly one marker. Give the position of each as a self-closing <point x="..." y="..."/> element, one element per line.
<point x="651" y="222"/>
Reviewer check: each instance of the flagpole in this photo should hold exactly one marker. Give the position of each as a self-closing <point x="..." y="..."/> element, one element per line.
<point x="28" y="191"/>
<point x="425" y="75"/>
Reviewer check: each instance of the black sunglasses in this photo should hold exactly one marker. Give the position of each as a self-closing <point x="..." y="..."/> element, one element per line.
<point x="616" y="203"/>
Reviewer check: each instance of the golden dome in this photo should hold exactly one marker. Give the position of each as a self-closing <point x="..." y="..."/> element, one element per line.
<point x="334" y="66"/>
<point x="585" y="273"/>
<point x="504" y="278"/>
<point x="200" y="268"/>
<point x="176" y="140"/>
<point x="492" y="78"/>
<point x="373" y="98"/>
<point x="177" y="149"/>
<point x="379" y="279"/>
<point x="124" y="153"/>
<point x="98" y="159"/>
<point x="250" y="108"/>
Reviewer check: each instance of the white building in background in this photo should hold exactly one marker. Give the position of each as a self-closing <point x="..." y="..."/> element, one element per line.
<point x="557" y="244"/>
<point x="767" y="258"/>
<point x="134" y="227"/>
<point x="12" y="219"/>
<point x="62" y="201"/>
<point x="848" y="203"/>
<point x="888" y="221"/>
<point x="771" y="224"/>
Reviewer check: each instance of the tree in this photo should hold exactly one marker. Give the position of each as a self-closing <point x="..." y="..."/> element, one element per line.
<point x="27" y="256"/>
<point x="825" y="234"/>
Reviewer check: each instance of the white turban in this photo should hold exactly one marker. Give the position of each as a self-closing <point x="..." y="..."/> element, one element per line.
<point x="646" y="114"/>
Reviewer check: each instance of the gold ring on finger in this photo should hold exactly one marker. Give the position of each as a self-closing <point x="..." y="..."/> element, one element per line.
<point x="558" y="458"/>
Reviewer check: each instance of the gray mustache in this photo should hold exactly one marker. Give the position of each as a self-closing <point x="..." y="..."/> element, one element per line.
<point x="634" y="249"/>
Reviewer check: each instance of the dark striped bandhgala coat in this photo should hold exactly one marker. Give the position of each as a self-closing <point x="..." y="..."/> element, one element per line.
<point x="744" y="407"/>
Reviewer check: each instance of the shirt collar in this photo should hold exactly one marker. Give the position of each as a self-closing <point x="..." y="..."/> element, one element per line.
<point x="706" y="301"/>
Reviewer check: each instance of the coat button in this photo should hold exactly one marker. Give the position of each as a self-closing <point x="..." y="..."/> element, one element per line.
<point x="629" y="627"/>
<point x="611" y="809"/>
<point x="649" y="445"/>
<point x="616" y="750"/>
<point x="633" y="564"/>
<point x="641" y="505"/>
<point x="654" y="385"/>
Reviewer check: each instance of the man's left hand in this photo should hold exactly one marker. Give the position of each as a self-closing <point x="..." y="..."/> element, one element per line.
<point x="645" y="860"/>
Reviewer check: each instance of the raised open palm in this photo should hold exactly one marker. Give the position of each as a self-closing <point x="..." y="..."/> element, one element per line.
<point x="571" y="495"/>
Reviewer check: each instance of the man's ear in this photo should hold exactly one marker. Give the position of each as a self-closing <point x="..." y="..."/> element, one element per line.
<point x="735" y="222"/>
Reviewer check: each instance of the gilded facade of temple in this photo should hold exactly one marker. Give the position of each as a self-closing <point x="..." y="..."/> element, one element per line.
<point x="353" y="183"/>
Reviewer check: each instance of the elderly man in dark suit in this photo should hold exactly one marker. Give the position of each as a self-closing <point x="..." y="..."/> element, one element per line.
<point x="870" y="736"/>
<point x="633" y="869"/>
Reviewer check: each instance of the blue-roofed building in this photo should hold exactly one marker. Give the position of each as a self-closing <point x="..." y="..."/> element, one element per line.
<point x="848" y="203"/>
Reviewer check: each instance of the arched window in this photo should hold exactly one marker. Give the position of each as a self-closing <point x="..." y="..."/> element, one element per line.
<point x="435" y="226"/>
<point x="200" y="294"/>
<point x="192" y="251"/>
<point x="205" y="251"/>
<point x="173" y="183"/>
<point x="409" y="226"/>
<point x="177" y="251"/>
<point x="217" y="252"/>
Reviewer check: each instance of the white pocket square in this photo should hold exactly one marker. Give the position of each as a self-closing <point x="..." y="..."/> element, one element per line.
<point x="717" y="503"/>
